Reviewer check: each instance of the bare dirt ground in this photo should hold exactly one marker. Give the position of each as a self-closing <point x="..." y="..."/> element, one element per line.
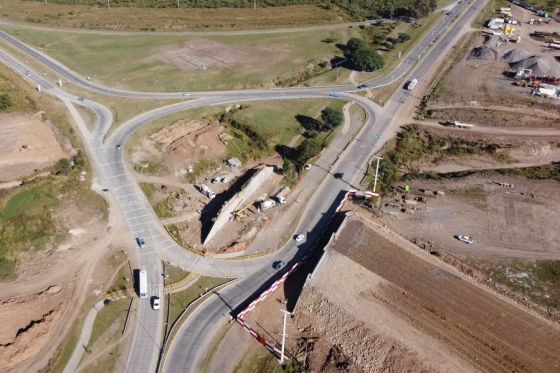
<point x="443" y="320"/>
<point x="476" y="90"/>
<point x="206" y="54"/>
<point x="516" y="222"/>
<point x="38" y="308"/>
<point x="184" y="143"/>
<point x="28" y="143"/>
<point x="516" y="148"/>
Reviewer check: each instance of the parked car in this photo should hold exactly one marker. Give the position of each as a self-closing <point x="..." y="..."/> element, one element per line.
<point x="119" y="146"/>
<point x="307" y="166"/>
<point x="465" y="239"/>
<point x="140" y="241"/>
<point x="338" y="175"/>
<point x="278" y="265"/>
<point x="156" y="303"/>
<point x="299" y="237"/>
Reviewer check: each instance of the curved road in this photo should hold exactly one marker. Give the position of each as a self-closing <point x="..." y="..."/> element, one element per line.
<point x="143" y="222"/>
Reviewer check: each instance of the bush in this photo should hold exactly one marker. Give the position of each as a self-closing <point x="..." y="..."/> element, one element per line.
<point x="403" y="37"/>
<point x="5" y="102"/>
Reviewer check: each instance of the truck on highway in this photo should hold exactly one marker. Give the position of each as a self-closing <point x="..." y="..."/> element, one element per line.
<point x="143" y="283"/>
<point x="410" y="86"/>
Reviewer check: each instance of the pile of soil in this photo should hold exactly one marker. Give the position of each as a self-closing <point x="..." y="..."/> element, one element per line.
<point x="483" y="53"/>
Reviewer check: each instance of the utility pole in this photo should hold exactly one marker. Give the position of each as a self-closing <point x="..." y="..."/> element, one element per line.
<point x="286" y="313"/>
<point x="376" y="173"/>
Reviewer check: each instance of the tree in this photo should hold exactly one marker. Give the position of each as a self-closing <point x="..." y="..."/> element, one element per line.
<point x="366" y="59"/>
<point x="308" y="149"/>
<point x="354" y="44"/>
<point x="331" y="118"/>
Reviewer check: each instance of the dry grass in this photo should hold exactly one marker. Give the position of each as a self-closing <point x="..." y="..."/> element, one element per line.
<point x="166" y="19"/>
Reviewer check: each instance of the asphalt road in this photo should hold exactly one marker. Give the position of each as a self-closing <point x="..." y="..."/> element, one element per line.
<point x="189" y="346"/>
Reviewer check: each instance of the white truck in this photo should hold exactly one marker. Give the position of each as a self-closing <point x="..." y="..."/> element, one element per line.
<point x="281" y="195"/>
<point x="143" y="284"/>
<point x="207" y="191"/>
<point x="266" y="204"/>
<point x="410" y="86"/>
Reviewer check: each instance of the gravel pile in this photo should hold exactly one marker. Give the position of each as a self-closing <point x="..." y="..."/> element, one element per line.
<point x="483" y="53"/>
<point x="539" y="65"/>
<point x="516" y="55"/>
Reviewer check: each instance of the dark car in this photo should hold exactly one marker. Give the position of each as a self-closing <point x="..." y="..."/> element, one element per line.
<point x="278" y="265"/>
<point x="141" y="241"/>
<point x="338" y="175"/>
<point x="362" y="86"/>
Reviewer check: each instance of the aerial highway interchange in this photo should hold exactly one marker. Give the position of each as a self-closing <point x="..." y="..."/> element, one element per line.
<point x="187" y="348"/>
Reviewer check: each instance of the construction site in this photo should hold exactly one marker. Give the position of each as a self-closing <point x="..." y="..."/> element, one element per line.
<point x="393" y="305"/>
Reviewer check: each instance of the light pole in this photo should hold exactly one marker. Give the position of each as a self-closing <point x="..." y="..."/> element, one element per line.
<point x="286" y="313"/>
<point x="376" y="173"/>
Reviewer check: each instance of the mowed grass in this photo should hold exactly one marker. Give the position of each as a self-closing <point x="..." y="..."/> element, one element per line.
<point x="137" y="62"/>
<point x="180" y="300"/>
<point x="111" y="313"/>
<point x="167" y="19"/>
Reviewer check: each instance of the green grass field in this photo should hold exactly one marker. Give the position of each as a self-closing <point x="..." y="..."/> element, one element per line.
<point x="138" y="62"/>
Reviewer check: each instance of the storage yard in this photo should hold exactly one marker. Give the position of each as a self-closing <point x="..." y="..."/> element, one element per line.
<point x="503" y="83"/>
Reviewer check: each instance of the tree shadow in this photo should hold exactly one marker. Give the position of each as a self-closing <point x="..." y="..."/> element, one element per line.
<point x="309" y="123"/>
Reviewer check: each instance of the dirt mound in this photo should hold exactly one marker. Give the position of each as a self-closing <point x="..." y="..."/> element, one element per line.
<point x="193" y="139"/>
<point x="347" y="345"/>
<point x="539" y="65"/>
<point x="28" y="322"/>
<point x="515" y="55"/>
<point x="483" y="53"/>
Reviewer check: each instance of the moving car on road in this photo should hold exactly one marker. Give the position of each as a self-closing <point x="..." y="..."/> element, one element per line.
<point x="465" y="239"/>
<point x="155" y="303"/>
<point x="119" y="146"/>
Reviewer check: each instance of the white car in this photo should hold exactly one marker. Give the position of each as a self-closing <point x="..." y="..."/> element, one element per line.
<point x="307" y="166"/>
<point x="465" y="239"/>
<point x="155" y="303"/>
<point x="186" y="94"/>
<point x="299" y="237"/>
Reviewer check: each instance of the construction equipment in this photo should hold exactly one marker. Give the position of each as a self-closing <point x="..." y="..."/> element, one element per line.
<point x="239" y="214"/>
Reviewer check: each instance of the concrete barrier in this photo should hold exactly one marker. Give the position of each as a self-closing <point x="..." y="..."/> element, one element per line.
<point x="238" y="200"/>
